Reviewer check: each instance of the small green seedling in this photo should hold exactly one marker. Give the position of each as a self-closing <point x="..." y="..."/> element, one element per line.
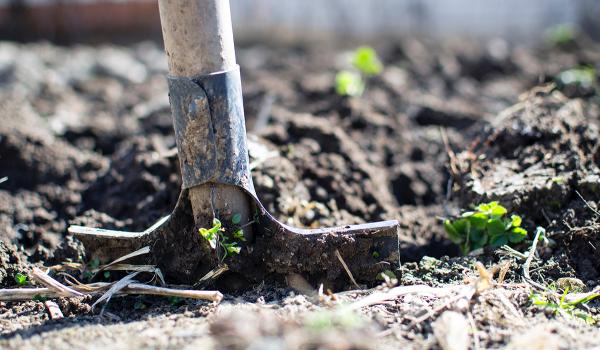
<point x="139" y="305"/>
<point x="561" y="35"/>
<point x="215" y="238"/>
<point x="365" y="64"/>
<point x="366" y="61"/>
<point x="348" y="83"/>
<point x="39" y="297"/>
<point x="487" y="225"/>
<point x="212" y="234"/>
<point x="21" y="279"/>
<point x="565" y="308"/>
<point x="174" y="301"/>
<point x="580" y="76"/>
<point x="93" y="265"/>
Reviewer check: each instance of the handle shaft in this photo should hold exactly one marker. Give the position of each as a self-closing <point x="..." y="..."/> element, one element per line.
<point x="198" y="36"/>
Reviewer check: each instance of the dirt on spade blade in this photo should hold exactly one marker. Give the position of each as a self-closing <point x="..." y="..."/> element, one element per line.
<point x="86" y="138"/>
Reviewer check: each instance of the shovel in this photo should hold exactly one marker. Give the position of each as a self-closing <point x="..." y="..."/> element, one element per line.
<point x="208" y="118"/>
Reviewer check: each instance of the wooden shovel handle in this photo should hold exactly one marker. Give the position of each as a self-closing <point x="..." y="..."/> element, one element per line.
<point x="198" y="36"/>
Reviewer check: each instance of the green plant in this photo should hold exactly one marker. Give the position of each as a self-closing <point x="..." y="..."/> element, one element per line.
<point x="563" y="307"/>
<point x="582" y="76"/>
<point x="91" y="267"/>
<point x="365" y="63"/>
<point x="487" y="225"/>
<point x="139" y="305"/>
<point x="561" y="35"/>
<point x="348" y="83"/>
<point x="39" y="297"/>
<point x="215" y="238"/>
<point x="21" y="279"/>
<point x="174" y="301"/>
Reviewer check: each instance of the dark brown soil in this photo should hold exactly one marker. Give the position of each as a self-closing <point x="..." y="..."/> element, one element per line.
<point x="86" y="138"/>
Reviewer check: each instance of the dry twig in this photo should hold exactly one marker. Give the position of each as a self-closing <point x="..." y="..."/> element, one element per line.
<point x="62" y="290"/>
<point x="100" y="287"/>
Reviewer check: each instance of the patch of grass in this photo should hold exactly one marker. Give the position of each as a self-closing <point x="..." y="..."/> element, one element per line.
<point x="487" y="225"/>
<point x="365" y="63"/>
<point x="215" y="238"/>
<point x="564" y="308"/>
<point x="21" y="279"/>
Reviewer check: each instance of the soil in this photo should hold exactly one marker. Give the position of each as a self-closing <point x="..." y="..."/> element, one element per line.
<point x="86" y="138"/>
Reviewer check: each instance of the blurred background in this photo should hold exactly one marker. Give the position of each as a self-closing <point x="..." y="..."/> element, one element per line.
<point x="76" y="21"/>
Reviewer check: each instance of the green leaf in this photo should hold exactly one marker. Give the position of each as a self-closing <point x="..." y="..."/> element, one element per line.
<point x="517" y="234"/>
<point x="212" y="233"/>
<point x="38" y="297"/>
<point x="515" y="220"/>
<point x="106" y="274"/>
<point x="173" y="300"/>
<point x="478" y="236"/>
<point x="496" y="227"/>
<point x="349" y="84"/>
<point x="561" y="35"/>
<point x="236" y="218"/>
<point x="479" y="244"/>
<point x="498" y="241"/>
<point x="467" y="214"/>
<point x="139" y="305"/>
<point x="365" y="60"/>
<point x="498" y="210"/>
<point x="232" y="248"/>
<point x="239" y="234"/>
<point x="485" y="207"/>
<point x="210" y="236"/>
<point x="452" y="232"/>
<point x="21" y="279"/>
<point x="479" y="220"/>
<point x="94" y="264"/>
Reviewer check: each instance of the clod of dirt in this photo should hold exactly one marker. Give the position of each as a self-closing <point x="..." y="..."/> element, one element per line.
<point x="12" y="262"/>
